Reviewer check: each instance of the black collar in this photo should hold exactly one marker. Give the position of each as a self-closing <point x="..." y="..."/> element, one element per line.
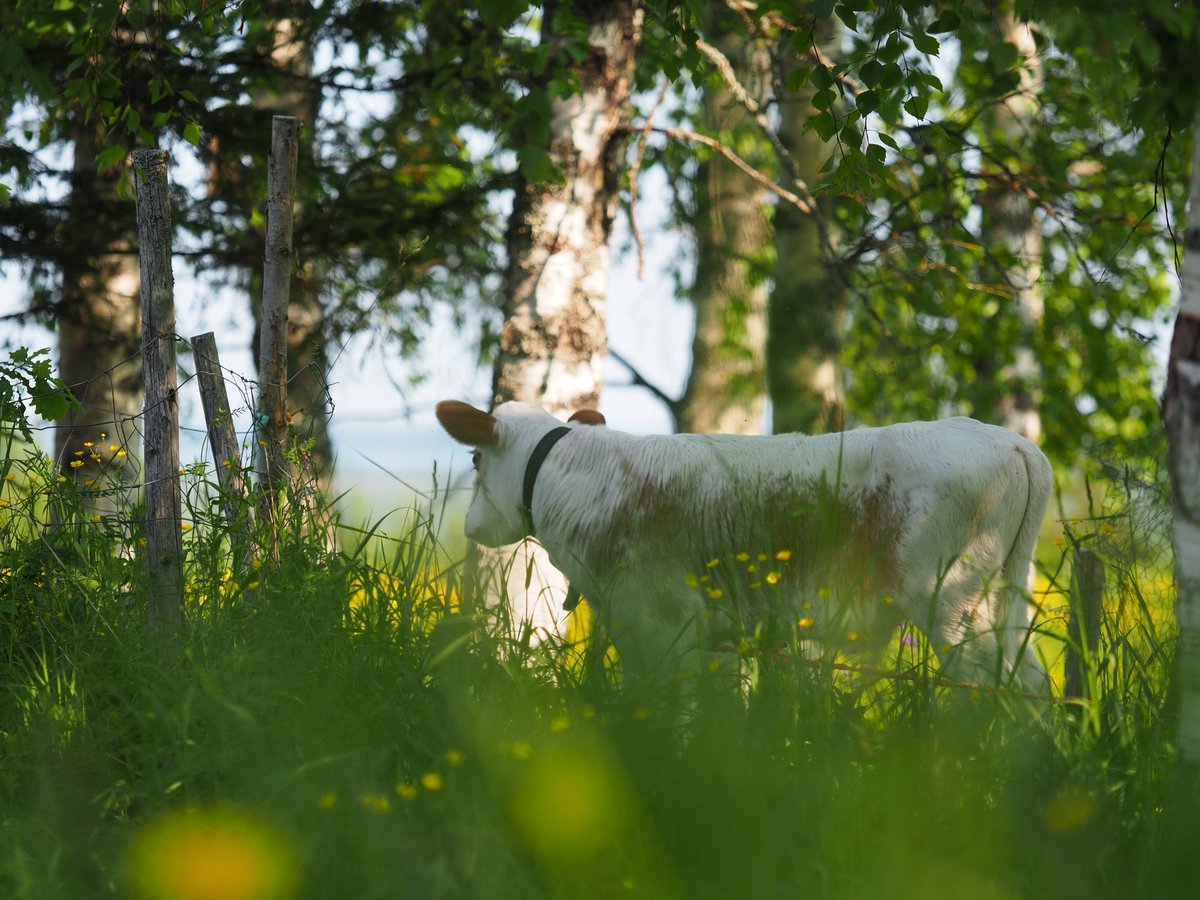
<point x="540" y="452"/>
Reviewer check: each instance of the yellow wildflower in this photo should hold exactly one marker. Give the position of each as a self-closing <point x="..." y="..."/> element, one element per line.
<point x="204" y="854"/>
<point x="772" y="578"/>
<point x="1069" y="809"/>
<point x="377" y="803"/>
<point x="783" y="555"/>
<point x="76" y="463"/>
<point x="431" y="781"/>
<point x="805" y="622"/>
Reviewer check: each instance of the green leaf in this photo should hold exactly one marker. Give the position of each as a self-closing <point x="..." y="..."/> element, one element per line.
<point x="797" y="78"/>
<point x="926" y="43"/>
<point x="871" y="72"/>
<point x="109" y="157"/>
<point x="824" y="99"/>
<point x="824" y="125"/>
<point x="945" y="23"/>
<point x="191" y="133"/>
<point x="821" y="9"/>
<point x="53" y="403"/>
<point x="536" y="165"/>
<point x="1002" y="56"/>
<point x="917" y="106"/>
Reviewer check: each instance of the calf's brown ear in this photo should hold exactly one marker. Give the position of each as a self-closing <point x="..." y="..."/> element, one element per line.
<point x="466" y="424"/>
<point x="587" y="417"/>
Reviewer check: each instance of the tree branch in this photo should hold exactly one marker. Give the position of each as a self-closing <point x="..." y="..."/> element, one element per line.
<point x="638" y="380"/>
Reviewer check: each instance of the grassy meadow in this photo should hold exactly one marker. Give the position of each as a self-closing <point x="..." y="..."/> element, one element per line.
<point x="337" y="720"/>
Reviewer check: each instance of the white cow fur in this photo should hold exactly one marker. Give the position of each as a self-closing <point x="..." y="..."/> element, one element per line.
<point x="674" y="538"/>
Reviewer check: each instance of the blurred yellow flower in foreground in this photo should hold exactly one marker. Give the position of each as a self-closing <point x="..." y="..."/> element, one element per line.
<point x="214" y="853"/>
<point x="1069" y="809"/>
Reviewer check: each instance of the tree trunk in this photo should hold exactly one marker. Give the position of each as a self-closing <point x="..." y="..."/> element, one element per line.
<point x="1181" y="416"/>
<point x="726" y="388"/>
<point x="807" y="308"/>
<point x="290" y="51"/>
<point x="554" y="335"/>
<point x="99" y="337"/>
<point x="1011" y="223"/>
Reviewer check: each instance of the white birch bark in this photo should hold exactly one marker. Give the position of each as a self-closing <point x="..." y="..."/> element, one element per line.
<point x="554" y="336"/>
<point x="1016" y="225"/>
<point x="726" y="390"/>
<point x="1181" y="415"/>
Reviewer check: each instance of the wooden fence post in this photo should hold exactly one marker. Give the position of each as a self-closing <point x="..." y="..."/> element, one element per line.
<point x="219" y="419"/>
<point x="271" y="426"/>
<point x="1083" y="629"/>
<point x="164" y="540"/>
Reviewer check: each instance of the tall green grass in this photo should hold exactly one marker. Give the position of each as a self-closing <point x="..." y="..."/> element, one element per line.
<point x="333" y="723"/>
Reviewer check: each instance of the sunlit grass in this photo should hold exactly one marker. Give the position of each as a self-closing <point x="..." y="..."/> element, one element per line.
<point x="339" y="719"/>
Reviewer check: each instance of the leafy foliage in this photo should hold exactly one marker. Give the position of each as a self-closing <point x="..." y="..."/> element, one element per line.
<point x="317" y="714"/>
<point x="28" y="377"/>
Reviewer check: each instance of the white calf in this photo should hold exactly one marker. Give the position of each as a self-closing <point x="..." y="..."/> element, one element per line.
<point x="676" y="538"/>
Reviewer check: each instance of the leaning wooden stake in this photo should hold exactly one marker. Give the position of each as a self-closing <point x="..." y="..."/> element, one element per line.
<point x="164" y="542"/>
<point x="1083" y="630"/>
<point x="272" y="425"/>
<point x="219" y="419"/>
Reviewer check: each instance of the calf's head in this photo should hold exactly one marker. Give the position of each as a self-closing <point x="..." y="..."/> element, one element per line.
<point x="503" y="445"/>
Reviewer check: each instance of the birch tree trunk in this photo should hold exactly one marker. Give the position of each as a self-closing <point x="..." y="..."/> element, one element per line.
<point x="1013" y="224"/>
<point x="726" y="388"/>
<point x="1181" y="416"/>
<point x="554" y="335"/>
<point x="99" y="335"/>
<point x="808" y="307"/>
